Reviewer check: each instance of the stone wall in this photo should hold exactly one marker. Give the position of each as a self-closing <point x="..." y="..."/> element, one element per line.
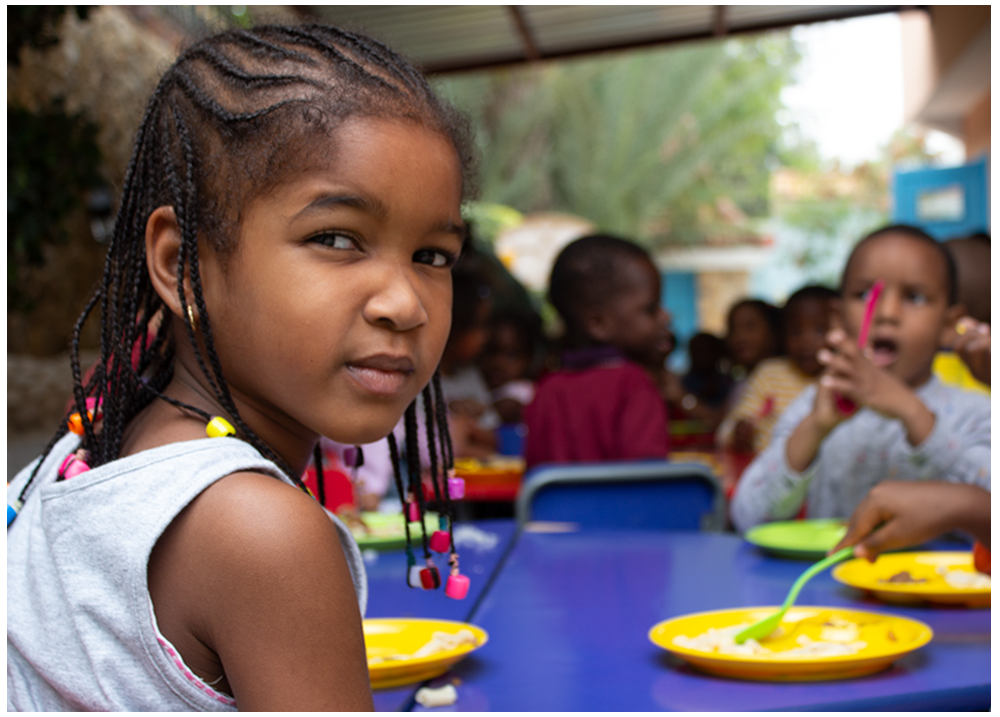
<point x="105" y="66"/>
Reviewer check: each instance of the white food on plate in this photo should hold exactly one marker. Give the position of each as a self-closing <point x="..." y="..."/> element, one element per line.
<point x="439" y="642"/>
<point x="722" y="641"/>
<point x="963" y="579"/>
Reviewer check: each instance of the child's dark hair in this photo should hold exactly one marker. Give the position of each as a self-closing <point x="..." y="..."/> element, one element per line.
<point x="234" y="116"/>
<point x="912" y="232"/>
<point x="812" y="291"/>
<point x="771" y="313"/>
<point x="528" y="325"/>
<point x="586" y="273"/>
<point x="471" y="287"/>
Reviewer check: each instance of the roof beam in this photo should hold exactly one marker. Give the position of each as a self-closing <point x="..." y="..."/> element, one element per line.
<point x="508" y="59"/>
<point x="524" y="31"/>
<point x="720" y="21"/>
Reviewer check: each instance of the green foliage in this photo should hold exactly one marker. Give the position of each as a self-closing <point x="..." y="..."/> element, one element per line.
<point x="52" y="159"/>
<point x="653" y="145"/>
<point x="34" y="26"/>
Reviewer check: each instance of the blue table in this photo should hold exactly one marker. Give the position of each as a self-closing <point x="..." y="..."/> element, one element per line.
<point x="389" y="595"/>
<point x="568" y="617"/>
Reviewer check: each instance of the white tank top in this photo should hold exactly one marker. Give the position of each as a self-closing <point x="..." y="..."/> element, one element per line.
<point x="81" y="632"/>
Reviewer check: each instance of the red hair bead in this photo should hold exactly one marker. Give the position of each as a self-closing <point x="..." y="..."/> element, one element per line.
<point x="430" y="578"/>
<point x="440" y="541"/>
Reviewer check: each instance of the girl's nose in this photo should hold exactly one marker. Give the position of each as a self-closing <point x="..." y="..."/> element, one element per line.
<point x="395" y="302"/>
<point x="887" y="307"/>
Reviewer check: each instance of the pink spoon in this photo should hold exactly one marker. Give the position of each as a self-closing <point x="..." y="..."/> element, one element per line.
<point x="846" y="405"/>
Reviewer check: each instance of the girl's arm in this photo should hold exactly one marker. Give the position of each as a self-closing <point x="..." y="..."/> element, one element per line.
<point x="250" y="582"/>
<point x="770" y="489"/>
<point x="749" y="405"/>
<point x="898" y="514"/>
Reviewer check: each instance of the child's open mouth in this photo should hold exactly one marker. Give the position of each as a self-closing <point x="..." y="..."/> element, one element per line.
<point x="883" y="352"/>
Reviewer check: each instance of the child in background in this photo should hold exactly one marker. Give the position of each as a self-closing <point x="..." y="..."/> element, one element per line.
<point x="908" y="426"/>
<point x="470" y="404"/>
<point x="898" y="515"/>
<point x="754" y="334"/>
<point x="508" y="360"/>
<point x="602" y="405"/>
<point x="292" y="210"/>
<point x="702" y="392"/>
<point x="972" y="266"/>
<point x="775" y="382"/>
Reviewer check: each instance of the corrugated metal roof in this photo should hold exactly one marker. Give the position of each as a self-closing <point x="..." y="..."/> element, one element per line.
<point x="447" y="38"/>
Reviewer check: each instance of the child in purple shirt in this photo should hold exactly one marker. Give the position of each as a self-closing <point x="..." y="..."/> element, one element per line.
<point x="602" y="404"/>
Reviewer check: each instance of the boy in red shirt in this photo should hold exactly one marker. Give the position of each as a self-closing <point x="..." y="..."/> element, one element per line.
<point x="602" y="405"/>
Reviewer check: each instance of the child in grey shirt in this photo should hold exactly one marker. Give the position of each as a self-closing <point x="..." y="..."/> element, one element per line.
<point x="907" y="425"/>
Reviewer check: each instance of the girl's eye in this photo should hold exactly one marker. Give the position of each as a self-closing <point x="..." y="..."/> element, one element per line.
<point x="335" y="240"/>
<point x="435" y="257"/>
<point x="917" y="298"/>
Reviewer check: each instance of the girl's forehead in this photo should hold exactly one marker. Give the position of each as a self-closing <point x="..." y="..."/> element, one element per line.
<point x="809" y="308"/>
<point x="897" y="257"/>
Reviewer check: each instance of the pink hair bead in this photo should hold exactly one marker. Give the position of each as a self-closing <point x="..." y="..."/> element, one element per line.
<point x="457" y="587"/>
<point x="412" y="512"/>
<point x="72" y="467"/>
<point x="456" y="488"/>
<point x="440" y="541"/>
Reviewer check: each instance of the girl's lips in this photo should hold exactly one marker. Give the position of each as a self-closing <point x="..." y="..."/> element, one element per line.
<point x="883" y="352"/>
<point x="383" y="383"/>
<point x="383" y="375"/>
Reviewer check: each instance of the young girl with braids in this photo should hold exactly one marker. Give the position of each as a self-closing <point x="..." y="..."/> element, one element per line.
<point x="287" y="226"/>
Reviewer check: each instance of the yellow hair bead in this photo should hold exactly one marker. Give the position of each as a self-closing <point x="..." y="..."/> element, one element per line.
<point x="219" y="427"/>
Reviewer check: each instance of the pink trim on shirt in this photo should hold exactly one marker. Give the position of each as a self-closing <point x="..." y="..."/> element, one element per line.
<point x="198" y="682"/>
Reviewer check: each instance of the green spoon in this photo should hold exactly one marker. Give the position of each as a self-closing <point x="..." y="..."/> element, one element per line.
<point x="762" y="628"/>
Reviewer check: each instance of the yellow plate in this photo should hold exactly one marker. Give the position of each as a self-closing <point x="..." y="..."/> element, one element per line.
<point x="872" y="576"/>
<point x="391" y="643"/>
<point x="886" y="638"/>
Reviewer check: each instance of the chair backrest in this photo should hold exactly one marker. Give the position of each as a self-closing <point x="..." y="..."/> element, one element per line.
<point x="651" y="495"/>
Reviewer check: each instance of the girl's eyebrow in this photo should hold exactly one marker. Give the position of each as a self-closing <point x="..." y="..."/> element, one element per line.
<point x="327" y="201"/>
<point x="450" y="227"/>
<point x="371" y="206"/>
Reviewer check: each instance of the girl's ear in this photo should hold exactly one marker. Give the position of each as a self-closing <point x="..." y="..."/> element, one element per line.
<point x="597" y="324"/>
<point x="163" y="246"/>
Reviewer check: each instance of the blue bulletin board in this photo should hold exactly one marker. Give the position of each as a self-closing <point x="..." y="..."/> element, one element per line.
<point x="946" y="203"/>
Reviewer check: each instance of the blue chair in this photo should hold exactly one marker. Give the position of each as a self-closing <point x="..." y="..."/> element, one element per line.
<point x="645" y="495"/>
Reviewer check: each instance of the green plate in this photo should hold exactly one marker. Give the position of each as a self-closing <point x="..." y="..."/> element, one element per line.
<point x="802" y="539"/>
<point x="387" y="531"/>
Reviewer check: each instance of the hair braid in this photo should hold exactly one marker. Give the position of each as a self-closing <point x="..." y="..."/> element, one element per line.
<point x="431" y="447"/>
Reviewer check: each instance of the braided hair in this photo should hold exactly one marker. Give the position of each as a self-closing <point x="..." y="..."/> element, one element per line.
<point x="236" y="114"/>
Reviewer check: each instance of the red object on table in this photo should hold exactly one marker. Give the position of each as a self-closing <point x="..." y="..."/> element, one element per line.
<point x="486" y="485"/>
<point x="339" y="490"/>
<point x="981" y="557"/>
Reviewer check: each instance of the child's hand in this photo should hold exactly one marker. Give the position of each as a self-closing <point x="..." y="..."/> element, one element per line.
<point x="743" y="433"/>
<point x="899" y="514"/>
<point x="466" y="407"/>
<point x="973" y="345"/>
<point x="850" y="373"/>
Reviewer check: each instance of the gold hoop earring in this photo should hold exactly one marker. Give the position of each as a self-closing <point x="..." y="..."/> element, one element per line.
<point x="193" y="318"/>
